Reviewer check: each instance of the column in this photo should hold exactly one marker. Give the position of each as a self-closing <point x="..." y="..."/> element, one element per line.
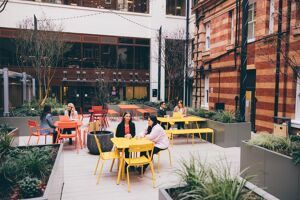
<point x="6" y="92"/>
<point x="33" y="88"/>
<point x="24" y="86"/>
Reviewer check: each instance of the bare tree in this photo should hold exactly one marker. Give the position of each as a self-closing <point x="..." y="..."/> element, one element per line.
<point x="42" y="49"/>
<point x="173" y="60"/>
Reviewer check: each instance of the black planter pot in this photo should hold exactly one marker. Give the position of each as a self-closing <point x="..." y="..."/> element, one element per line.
<point x="104" y="138"/>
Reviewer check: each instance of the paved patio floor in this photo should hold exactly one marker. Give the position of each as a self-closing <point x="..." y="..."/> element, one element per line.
<point x="80" y="183"/>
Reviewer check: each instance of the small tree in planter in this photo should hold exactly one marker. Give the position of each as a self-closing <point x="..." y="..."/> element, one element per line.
<point x="202" y="181"/>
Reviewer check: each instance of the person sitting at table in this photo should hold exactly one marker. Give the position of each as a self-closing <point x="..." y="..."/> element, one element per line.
<point x="156" y="134"/>
<point x="126" y="129"/>
<point x="161" y="112"/>
<point x="181" y="109"/>
<point x="47" y="123"/>
<point x="73" y="115"/>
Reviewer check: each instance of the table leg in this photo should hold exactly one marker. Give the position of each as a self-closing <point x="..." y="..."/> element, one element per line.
<point x="121" y="166"/>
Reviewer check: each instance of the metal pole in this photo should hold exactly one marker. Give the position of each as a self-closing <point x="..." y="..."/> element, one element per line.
<point x="278" y="49"/>
<point x="24" y="86"/>
<point x="243" y="73"/>
<point x="6" y="92"/>
<point x="33" y="88"/>
<point x="286" y="61"/>
<point x="159" y="62"/>
<point x="186" y="67"/>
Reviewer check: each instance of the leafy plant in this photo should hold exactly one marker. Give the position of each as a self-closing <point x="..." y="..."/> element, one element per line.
<point x="30" y="187"/>
<point x="201" y="181"/>
<point x="224" y="117"/>
<point x="5" y="143"/>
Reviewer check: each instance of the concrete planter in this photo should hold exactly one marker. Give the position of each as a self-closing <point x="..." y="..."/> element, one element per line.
<point x="230" y="134"/>
<point x="105" y="141"/>
<point x="15" y="134"/>
<point x="163" y="193"/>
<point x="21" y="123"/>
<point x="55" y="182"/>
<point x="274" y="172"/>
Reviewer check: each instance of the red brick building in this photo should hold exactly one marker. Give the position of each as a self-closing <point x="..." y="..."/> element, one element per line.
<point x="217" y="57"/>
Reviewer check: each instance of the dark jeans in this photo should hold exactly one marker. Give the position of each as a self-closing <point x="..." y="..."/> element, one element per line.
<point x="165" y="124"/>
<point x="180" y="125"/>
<point x="69" y="131"/>
<point x="155" y="151"/>
<point x="54" y="137"/>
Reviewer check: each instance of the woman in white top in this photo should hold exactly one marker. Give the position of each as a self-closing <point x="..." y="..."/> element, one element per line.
<point x="181" y="109"/>
<point x="157" y="134"/>
<point x="73" y="115"/>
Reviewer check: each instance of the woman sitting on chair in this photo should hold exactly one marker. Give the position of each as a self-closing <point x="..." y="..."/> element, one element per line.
<point x="180" y="109"/>
<point x="73" y="115"/>
<point x="47" y="122"/>
<point x="126" y="129"/>
<point x="156" y="134"/>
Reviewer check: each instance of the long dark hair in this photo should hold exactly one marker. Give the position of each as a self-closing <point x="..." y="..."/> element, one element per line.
<point x="154" y="119"/>
<point x="47" y="109"/>
<point x="123" y="117"/>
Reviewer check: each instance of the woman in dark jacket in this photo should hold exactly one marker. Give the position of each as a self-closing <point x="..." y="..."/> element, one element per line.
<point x="126" y="129"/>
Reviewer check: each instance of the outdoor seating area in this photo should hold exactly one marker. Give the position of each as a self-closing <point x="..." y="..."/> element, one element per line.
<point x="79" y="168"/>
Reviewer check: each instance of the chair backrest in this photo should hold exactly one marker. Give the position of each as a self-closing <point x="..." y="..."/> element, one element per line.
<point x="33" y="126"/>
<point x="98" y="145"/>
<point x="64" y="118"/>
<point x="177" y="115"/>
<point x="32" y="123"/>
<point x="97" y="108"/>
<point x="69" y="124"/>
<point x="142" y="148"/>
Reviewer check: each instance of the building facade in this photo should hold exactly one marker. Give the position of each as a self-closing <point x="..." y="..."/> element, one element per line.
<point x="217" y="57"/>
<point x="116" y="40"/>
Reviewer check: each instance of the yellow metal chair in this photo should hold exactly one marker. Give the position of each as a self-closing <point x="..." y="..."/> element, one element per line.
<point x="104" y="156"/>
<point x="168" y="149"/>
<point x="141" y="160"/>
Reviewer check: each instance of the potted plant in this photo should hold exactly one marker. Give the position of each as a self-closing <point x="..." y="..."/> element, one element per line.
<point x="103" y="136"/>
<point x="229" y="131"/>
<point x="203" y="181"/>
<point x="275" y="161"/>
<point x="12" y="132"/>
<point x="31" y="171"/>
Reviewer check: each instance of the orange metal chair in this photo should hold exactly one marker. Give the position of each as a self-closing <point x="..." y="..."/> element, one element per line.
<point x="70" y="124"/>
<point x="35" y="130"/>
<point x="112" y="155"/>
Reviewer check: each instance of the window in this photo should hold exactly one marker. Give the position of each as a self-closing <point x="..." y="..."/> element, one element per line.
<point x="298" y="13"/>
<point x="72" y="58"/>
<point x="231" y="20"/>
<point x="90" y="55"/>
<point x="142" y="57"/>
<point x="175" y="7"/>
<point x="107" y="1"/>
<point x="205" y="102"/>
<point x="271" y="21"/>
<point x="251" y="21"/>
<point x="207" y="36"/>
<point x="108" y="56"/>
<point x="125" y="57"/>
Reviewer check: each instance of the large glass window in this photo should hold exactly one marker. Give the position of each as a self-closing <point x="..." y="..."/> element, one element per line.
<point x="125" y="57"/>
<point x="251" y="21"/>
<point x="91" y="55"/>
<point x="142" y="57"/>
<point x="7" y="52"/>
<point x="175" y="7"/>
<point x="139" y="6"/>
<point x="72" y="58"/>
<point x="272" y="15"/>
<point x="108" y="55"/>
<point x="207" y="36"/>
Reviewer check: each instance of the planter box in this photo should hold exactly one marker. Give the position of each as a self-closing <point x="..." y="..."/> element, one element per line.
<point x="274" y="172"/>
<point x="164" y="195"/>
<point x="230" y="134"/>
<point x="21" y="123"/>
<point x="15" y="134"/>
<point x="55" y="183"/>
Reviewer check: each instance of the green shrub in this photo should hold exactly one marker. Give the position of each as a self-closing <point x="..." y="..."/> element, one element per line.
<point x="201" y="181"/>
<point x="30" y="187"/>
